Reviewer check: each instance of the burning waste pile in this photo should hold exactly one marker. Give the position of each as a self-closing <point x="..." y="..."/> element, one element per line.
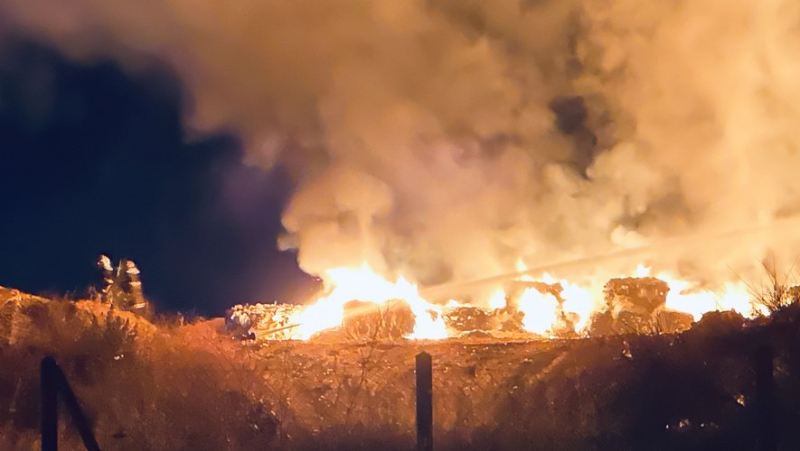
<point x="444" y="139"/>
<point x="261" y="321"/>
<point x="361" y="305"/>
<point x="638" y="305"/>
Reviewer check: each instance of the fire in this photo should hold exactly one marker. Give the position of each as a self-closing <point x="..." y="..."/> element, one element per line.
<point x="542" y="312"/>
<point x="682" y="298"/>
<point x="578" y="300"/>
<point x="498" y="299"/>
<point x="365" y="285"/>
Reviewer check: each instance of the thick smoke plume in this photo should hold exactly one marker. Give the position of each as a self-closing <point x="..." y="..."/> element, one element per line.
<point x="446" y="139"/>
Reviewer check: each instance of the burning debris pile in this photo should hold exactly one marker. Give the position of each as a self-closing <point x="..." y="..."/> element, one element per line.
<point x="363" y="306"/>
<point x="471" y="320"/>
<point x="489" y="394"/>
<point x="260" y="321"/>
<point x="510" y="316"/>
<point x="638" y="305"/>
<point x="365" y="320"/>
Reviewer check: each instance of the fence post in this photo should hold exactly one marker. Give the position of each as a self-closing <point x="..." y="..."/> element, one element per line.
<point x="765" y="399"/>
<point x="49" y="385"/>
<point x="424" y="402"/>
<point x="75" y="411"/>
<point x="54" y="381"/>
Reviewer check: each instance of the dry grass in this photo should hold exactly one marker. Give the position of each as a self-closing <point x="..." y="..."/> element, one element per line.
<point x="144" y="387"/>
<point x="180" y="384"/>
<point x="775" y="290"/>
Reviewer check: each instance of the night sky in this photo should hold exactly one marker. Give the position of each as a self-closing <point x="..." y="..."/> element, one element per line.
<point x="97" y="160"/>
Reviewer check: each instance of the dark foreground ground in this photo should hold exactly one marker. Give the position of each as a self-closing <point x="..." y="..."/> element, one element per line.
<point x="179" y="385"/>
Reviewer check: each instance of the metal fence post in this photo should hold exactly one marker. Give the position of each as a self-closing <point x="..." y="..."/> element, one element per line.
<point x="424" y="402"/>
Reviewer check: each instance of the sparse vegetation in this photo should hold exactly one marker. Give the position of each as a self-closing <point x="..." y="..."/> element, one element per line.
<point x="144" y="386"/>
<point x="181" y="384"/>
<point x="776" y="289"/>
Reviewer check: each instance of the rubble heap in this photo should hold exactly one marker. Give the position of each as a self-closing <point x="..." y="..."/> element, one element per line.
<point x="370" y="321"/>
<point x="260" y="321"/>
<point x="633" y="306"/>
<point x="467" y="318"/>
<point x="638" y="306"/>
<point x="641" y="295"/>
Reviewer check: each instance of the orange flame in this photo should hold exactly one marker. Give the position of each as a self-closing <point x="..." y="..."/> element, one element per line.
<point x="541" y="311"/>
<point x="365" y="285"/>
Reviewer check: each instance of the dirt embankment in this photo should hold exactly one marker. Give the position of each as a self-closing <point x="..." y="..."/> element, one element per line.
<point x="190" y="386"/>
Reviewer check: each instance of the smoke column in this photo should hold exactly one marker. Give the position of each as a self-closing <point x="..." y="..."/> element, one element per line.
<point x="446" y="139"/>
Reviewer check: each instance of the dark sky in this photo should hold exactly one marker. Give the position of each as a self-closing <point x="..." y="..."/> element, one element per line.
<point x="97" y="160"/>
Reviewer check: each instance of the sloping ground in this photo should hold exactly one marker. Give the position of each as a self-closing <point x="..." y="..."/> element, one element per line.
<point x="192" y="387"/>
<point x="693" y="391"/>
<point x="144" y="387"/>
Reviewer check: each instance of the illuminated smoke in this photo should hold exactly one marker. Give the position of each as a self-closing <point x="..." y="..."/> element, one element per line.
<point x="442" y="140"/>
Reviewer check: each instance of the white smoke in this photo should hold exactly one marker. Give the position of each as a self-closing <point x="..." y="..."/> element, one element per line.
<point x="427" y="139"/>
